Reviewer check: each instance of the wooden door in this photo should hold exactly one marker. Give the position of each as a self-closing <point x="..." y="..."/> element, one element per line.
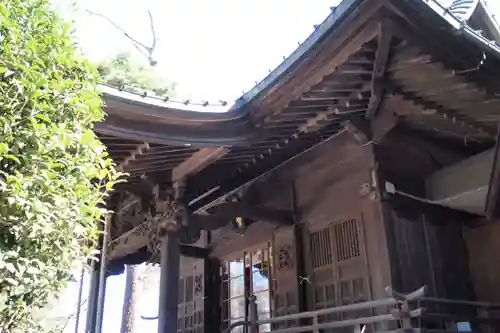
<point x="338" y="270"/>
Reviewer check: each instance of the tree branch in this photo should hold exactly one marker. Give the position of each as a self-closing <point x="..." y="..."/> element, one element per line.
<point x="153" y="45"/>
<point x="145" y="50"/>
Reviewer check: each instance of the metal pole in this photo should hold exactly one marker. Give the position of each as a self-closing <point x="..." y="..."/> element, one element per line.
<point x="253" y="314"/>
<point x="79" y="301"/>
<point x="100" y="305"/>
<point x="128" y="310"/>
<point x="102" y="276"/>
<point x="95" y="273"/>
<point x="169" y="284"/>
<point x="93" y="295"/>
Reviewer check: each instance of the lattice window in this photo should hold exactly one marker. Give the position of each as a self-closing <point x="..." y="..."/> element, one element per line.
<point x="347" y="240"/>
<point x="191" y="301"/>
<point x="340" y="273"/>
<point x="321" y="248"/>
<point x="233" y="292"/>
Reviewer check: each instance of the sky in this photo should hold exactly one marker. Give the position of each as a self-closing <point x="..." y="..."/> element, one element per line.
<point x="215" y="50"/>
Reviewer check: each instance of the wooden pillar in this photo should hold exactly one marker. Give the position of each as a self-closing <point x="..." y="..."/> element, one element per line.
<point x="169" y="284"/>
<point x="212" y="295"/>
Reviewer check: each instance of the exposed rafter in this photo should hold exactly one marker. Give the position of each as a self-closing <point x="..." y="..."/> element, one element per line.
<point x="314" y="123"/>
<point x="434" y="106"/>
<point x="365" y="34"/>
<point x="138" y="151"/>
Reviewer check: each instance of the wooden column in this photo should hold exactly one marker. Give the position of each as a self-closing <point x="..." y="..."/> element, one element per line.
<point x="169" y="284"/>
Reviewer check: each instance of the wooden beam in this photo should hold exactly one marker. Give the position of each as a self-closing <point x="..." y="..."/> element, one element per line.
<point x="493" y="197"/>
<point x="384" y="40"/>
<point x="134" y="239"/>
<point x="198" y="161"/>
<point x="386" y="119"/>
<point x="194" y="251"/>
<point x="256" y="213"/>
<point x="129" y="242"/>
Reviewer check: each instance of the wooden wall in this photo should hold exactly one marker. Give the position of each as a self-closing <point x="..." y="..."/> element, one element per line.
<point x="426" y="245"/>
<point x="332" y="188"/>
<point x="348" y="243"/>
<point x="426" y="250"/>
<point x="339" y="205"/>
<point x="483" y="247"/>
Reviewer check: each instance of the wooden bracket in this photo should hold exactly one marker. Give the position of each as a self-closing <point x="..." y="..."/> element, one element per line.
<point x="386" y="119"/>
<point x="381" y="124"/>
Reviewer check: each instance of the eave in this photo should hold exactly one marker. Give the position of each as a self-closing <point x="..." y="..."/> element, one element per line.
<point x="141" y="118"/>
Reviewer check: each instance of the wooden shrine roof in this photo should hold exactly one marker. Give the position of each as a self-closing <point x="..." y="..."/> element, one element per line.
<point x="370" y="60"/>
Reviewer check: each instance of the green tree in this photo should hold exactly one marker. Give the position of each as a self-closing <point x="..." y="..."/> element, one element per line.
<point x="126" y="73"/>
<point x="54" y="173"/>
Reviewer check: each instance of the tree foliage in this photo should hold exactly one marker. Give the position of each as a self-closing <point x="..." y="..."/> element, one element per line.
<point x="126" y="73"/>
<point x="54" y="173"/>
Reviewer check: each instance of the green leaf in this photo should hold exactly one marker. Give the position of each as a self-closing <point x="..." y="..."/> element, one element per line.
<point x="12" y="157"/>
<point x="10" y="267"/>
<point x="32" y="270"/>
<point x="3" y="148"/>
<point x="8" y="73"/>
<point x="11" y="281"/>
<point x="43" y="117"/>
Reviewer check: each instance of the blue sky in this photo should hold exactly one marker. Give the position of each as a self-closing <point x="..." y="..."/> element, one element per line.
<point x="214" y="50"/>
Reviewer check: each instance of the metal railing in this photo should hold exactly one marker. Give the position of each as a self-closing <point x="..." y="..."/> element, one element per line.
<point x="398" y="313"/>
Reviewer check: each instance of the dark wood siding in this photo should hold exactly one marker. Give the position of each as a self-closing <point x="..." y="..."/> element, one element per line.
<point x="339" y="204"/>
<point x="426" y="247"/>
<point x="428" y="252"/>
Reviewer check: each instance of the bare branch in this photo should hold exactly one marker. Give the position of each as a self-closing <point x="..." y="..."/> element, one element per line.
<point x="145" y="50"/>
<point x="152" y="29"/>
